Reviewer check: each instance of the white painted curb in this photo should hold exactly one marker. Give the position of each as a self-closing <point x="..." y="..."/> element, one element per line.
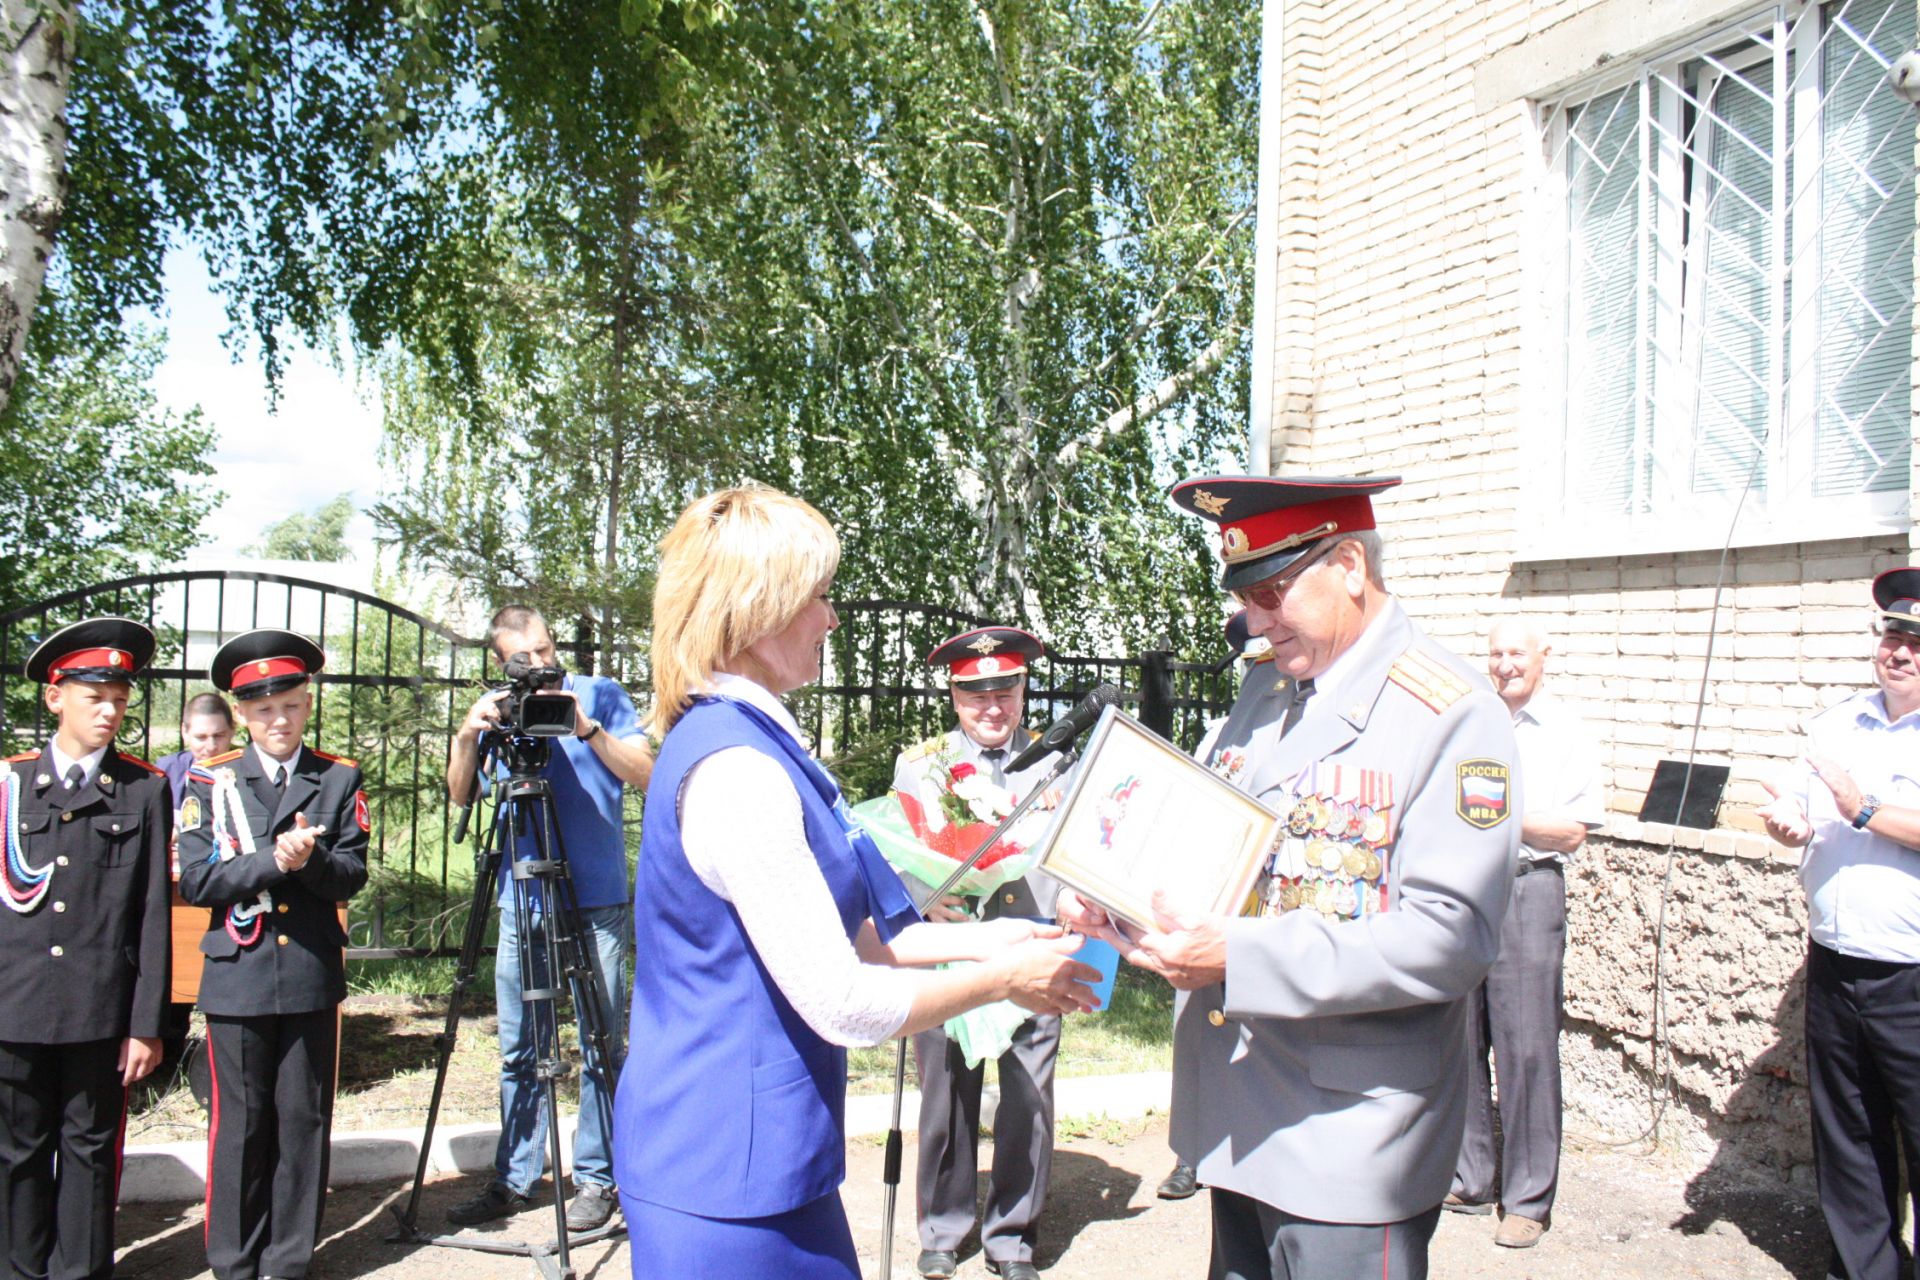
<point x="177" y="1171"/>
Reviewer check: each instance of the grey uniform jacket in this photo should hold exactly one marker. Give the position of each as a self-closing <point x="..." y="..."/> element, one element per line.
<point x="1327" y="1075"/>
<point x="913" y="773"/>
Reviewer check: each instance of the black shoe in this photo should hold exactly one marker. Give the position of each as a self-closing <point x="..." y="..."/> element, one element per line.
<point x="591" y="1206"/>
<point x="1179" y="1184"/>
<point x="498" y="1200"/>
<point x="1013" y="1270"/>
<point x="937" y="1264"/>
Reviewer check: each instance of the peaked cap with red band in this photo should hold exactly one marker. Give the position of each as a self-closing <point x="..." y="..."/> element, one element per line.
<point x="259" y="664"/>
<point x="1896" y="593"/>
<point x="97" y="651"/>
<point x="986" y="659"/>
<point x="1268" y="522"/>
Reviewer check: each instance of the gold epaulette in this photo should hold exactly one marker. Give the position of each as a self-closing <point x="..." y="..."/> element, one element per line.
<point x="1265" y="657"/>
<point x="330" y="758"/>
<point x="1428" y="680"/>
<point x="24" y="755"/>
<point x="144" y="764"/>
<point x="926" y="748"/>
<point x="225" y="757"/>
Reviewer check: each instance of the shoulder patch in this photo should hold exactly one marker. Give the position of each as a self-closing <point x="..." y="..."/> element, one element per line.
<point x="223" y="758"/>
<point x="24" y="755"/>
<point x="330" y="758"/>
<point x="1430" y="683"/>
<point x="1480" y="792"/>
<point x="148" y="765"/>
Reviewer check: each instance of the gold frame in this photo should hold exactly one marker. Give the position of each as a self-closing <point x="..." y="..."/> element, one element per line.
<point x="1189" y="798"/>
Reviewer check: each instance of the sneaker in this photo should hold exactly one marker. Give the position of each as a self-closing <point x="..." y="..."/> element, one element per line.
<point x="591" y="1206"/>
<point x="497" y="1200"/>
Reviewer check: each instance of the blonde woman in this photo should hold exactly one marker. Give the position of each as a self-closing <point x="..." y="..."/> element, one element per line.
<point x="770" y="934"/>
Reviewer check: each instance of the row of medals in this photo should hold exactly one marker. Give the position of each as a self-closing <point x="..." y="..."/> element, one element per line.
<point x="1327" y="859"/>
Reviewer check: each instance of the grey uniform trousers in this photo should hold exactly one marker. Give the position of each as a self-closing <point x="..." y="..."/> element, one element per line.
<point x="950" y="1141"/>
<point x="1517" y="1010"/>
<point x="1255" y="1241"/>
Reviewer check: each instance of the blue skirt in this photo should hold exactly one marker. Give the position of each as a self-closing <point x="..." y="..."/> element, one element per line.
<point x="812" y="1242"/>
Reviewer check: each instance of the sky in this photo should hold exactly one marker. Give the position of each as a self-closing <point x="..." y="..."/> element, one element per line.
<point x="322" y="441"/>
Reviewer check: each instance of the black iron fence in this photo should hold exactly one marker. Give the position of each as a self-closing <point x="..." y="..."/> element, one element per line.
<point x="397" y="684"/>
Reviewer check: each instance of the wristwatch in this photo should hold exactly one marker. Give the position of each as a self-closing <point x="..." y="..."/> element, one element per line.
<point x="593" y="727"/>
<point x="1868" y="807"/>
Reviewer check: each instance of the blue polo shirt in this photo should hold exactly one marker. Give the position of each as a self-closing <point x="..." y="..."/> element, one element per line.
<point x="586" y="801"/>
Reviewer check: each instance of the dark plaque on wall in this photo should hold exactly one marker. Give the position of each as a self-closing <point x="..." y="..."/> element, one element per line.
<point x="1685" y="796"/>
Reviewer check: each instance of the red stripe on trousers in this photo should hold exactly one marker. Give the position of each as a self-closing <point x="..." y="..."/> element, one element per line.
<point x="213" y="1136"/>
<point x="1386" y="1252"/>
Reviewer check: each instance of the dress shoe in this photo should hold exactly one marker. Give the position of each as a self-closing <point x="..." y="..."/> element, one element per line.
<point x="497" y="1200"/>
<point x="1454" y="1204"/>
<point x="937" y="1264"/>
<point x="1013" y="1270"/>
<point x="591" y="1206"/>
<point x="1517" y="1232"/>
<point x="1179" y="1184"/>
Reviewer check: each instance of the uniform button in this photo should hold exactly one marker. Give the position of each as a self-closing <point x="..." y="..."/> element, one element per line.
<point x="1010" y="899"/>
<point x="116" y="826"/>
<point x="56" y="951"/>
<point x="59" y="906"/>
<point x="61" y="860"/>
<point x="283" y="908"/>
<point x="66" y="817"/>
<point x="283" y="939"/>
<point x="1216" y="1017"/>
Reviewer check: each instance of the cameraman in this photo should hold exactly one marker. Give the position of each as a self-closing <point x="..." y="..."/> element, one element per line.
<point x="587" y="771"/>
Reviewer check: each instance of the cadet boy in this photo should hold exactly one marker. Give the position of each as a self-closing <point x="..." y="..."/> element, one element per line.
<point x="83" y="952"/>
<point x="273" y="837"/>
<point x="987" y="677"/>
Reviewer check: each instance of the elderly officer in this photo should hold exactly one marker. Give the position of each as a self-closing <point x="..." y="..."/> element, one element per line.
<point x="83" y="952"/>
<point x="273" y="837"/>
<point x="1320" y="1047"/>
<point x="1856" y="811"/>
<point x="987" y="678"/>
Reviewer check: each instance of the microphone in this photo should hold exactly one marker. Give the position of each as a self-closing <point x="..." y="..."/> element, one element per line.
<point x="1063" y="731"/>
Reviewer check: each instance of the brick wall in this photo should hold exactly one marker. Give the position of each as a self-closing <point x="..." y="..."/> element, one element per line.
<point x="1401" y="299"/>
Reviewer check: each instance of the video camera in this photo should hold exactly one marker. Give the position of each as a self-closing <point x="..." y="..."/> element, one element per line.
<point x="531" y="708"/>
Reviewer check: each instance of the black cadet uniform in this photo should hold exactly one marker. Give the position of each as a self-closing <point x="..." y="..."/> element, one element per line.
<point x="274" y="971"/>
<point x="84" y="954"/>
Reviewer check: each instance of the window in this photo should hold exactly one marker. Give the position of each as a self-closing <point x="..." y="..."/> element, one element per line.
<point x="1732" y="277"/>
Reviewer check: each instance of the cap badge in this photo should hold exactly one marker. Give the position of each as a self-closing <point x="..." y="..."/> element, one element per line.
<point x="987" y="666"/>
<point x="985" y="644"/>
<point x="114" y="658"/>
<point x="1208" y="503"/>
<point x="1233" y="541"/>
<point x="263" y="667"/>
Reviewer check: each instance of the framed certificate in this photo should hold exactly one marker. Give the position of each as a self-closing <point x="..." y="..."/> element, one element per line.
<point x="1142" y="816"/>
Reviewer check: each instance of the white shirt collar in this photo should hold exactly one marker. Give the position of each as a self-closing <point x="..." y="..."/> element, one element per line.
<point x="269" y="767"/>
<point x="726" y="684"/>
<point x="62" y="762"/>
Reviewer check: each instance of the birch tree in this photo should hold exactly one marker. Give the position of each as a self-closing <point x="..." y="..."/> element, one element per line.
<point x="34" y="76"/>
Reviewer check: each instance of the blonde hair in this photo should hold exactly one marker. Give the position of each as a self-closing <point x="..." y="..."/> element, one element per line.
<point x="736" y="567"/>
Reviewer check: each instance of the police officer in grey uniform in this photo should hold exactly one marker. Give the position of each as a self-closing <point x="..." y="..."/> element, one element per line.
<point x="84" y="951"/>
<point x="273" y="837"/>
<point x="986" y="675"/>
<point x="1320" y="1042"/>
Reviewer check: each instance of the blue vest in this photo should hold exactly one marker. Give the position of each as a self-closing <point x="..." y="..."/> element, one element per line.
<point x="729" y="1105"/>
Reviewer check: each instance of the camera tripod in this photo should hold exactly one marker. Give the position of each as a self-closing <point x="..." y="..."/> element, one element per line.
<point x="542" y="886"/>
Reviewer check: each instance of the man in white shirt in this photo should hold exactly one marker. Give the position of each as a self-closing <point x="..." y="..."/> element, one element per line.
<point x="1517" y="1010"/>
<point x="1855" y="809"/>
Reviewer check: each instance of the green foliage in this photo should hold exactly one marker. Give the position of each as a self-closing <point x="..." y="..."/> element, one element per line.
<point x="97" y="481"/>
<point x="315" y="536"/>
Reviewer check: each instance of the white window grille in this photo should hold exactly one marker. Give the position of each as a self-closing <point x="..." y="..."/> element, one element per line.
<point x="1733" y="281"/>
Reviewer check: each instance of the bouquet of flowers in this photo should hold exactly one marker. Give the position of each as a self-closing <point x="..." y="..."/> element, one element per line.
<point x="969" y="806"/>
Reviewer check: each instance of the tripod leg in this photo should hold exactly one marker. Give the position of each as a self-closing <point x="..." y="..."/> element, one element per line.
<point x="485" y="877"/>
<point x="541" y="975"/>
<point x="600" y="1043"/>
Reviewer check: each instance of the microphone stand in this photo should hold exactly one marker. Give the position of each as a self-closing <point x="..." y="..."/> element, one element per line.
<point x="891" y="1174"/>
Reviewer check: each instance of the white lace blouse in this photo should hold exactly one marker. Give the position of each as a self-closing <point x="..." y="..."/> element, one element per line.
<point x="744" y="836"/>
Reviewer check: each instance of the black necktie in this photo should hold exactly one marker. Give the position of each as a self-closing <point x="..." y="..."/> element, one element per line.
<point x="1301" y="692"/>
<point x="76" y="777"/>
<point x="996" y="758"/>
<point x="280" y="779"/>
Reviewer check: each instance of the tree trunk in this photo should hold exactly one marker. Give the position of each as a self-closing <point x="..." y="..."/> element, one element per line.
<point x="38" y="66"/>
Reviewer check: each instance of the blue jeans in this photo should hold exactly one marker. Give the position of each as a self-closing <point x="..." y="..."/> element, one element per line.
<point x="522" y="1154"/>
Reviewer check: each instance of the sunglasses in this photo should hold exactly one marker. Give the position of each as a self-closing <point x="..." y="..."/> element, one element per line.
<point x="1268" y="595"/>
